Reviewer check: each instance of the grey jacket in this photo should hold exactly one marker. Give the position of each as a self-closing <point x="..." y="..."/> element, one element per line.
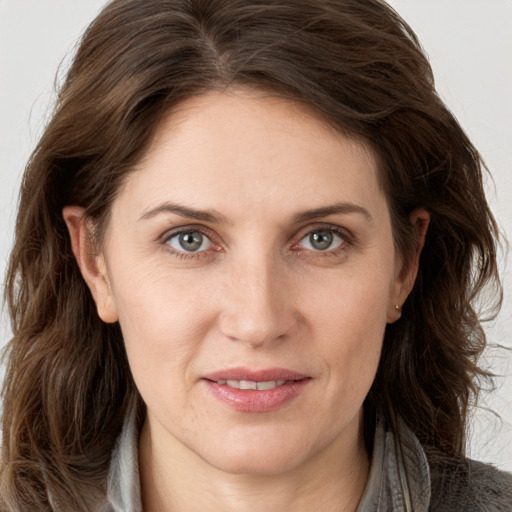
<point x="402" y="478"/>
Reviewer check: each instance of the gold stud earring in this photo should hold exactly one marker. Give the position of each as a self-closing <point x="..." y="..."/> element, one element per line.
<point x="398" y="308"/>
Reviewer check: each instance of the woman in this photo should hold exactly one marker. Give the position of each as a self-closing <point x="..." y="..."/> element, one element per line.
<point x="248" y="247"/>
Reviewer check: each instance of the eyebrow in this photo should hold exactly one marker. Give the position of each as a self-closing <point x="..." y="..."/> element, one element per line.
<point x="215" y="217"/>
<point x="334" y="209"/>
<point x="211" y="216"/>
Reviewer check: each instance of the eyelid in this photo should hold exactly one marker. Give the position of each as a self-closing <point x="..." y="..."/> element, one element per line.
<point x="336" y="241"/>
<point x="346" y="236"/>
<point x="205" y="240"/>
<point x="169" y="234"/>
<point x="216" y="245"/>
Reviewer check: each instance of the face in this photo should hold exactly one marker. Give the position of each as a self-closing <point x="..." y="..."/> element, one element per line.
<point x="251" y="248"/>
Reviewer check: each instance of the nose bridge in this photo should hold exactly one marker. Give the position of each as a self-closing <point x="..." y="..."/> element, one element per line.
<point x="256" y="309"/>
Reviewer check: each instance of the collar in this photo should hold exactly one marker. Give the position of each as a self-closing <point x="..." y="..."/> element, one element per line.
<point x="123" y="486"/>
<point x="399" y="479"/>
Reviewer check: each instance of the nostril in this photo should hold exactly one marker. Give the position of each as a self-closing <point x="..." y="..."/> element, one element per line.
<point x="254" y="332"/>
<point x="257" y="310"/>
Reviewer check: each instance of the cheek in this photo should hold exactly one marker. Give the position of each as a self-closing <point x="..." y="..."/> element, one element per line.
<point x="352" y="302"/>
<point x="161" y="324"/>
<point x="348" y="318"/>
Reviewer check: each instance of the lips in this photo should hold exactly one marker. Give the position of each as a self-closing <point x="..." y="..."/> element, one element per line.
<point x="248" y="390"/>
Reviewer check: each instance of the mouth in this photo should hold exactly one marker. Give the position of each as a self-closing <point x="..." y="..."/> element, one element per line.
<point x="251" y="384"/>
<point x="256" y="391"/>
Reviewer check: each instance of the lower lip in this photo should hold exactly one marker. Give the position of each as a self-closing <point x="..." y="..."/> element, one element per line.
<point x="252" y="400"/>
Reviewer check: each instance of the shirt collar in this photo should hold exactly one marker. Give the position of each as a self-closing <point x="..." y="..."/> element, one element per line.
<point x="123" y="487"/>
<point x="399" y="478"/>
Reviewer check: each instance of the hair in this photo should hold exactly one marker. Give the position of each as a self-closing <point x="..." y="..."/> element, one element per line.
<point x="68" y="385"/>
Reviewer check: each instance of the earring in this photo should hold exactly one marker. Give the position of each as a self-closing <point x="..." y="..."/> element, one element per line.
<point x="398" y="308"/>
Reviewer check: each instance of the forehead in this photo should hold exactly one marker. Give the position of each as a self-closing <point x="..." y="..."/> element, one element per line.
<point x="241" y="111"/>
<point x="253" y="149"/>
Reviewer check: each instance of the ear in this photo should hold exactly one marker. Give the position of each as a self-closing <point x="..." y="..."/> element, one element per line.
<point x="91" y="263"/>
<point x="408" y="270"/>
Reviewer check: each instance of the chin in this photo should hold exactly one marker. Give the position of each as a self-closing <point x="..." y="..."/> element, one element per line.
<point x="262" y="463"/>
<point x="268" y="455"/>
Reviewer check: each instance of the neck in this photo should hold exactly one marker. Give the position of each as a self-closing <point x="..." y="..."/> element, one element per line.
<point x="174" y="479"/>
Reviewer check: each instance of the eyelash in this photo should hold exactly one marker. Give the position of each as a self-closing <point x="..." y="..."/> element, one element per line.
<point x="190" y="255"/>
<point x="347" y="240"/>
<point x="346" y="237"/>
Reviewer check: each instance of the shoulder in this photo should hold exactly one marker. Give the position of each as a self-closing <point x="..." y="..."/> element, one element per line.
<point x="469" y="486"/>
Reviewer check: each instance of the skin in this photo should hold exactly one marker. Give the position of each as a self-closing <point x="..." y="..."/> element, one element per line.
<point x="257" y="294"/>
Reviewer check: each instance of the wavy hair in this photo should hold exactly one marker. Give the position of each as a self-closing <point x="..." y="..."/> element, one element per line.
<point x="357" y="63"/>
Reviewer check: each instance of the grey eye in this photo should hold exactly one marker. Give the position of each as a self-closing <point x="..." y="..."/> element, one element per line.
<point x="321" y="240"/>
<point x="189" y="241"/>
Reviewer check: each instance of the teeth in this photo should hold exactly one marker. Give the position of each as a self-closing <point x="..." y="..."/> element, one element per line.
<point x="250" y="384"/>
<point x="243" y="384"/>
<point x="271" y="384"/>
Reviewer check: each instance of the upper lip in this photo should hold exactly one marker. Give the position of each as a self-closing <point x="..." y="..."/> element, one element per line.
<point x="263" y="375"/>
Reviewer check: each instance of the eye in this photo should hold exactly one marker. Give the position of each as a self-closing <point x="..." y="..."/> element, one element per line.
<point x="322" y="240"/>
<point x="189" y="241"/>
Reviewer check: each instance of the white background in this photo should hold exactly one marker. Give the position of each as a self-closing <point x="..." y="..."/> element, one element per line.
<point x="469" y="43"/>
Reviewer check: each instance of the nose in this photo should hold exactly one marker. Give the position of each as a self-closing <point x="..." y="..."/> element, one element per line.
<point x="258" y="307"/>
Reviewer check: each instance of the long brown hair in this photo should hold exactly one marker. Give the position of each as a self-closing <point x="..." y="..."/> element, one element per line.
<point x="68" y="385"/>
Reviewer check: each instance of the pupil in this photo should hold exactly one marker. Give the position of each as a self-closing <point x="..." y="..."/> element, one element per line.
<point x="191" y="241"/>
<point x="321" y="240"/>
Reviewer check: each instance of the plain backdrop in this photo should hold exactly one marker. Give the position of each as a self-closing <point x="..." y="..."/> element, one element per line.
<point x="469" y="43"/>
